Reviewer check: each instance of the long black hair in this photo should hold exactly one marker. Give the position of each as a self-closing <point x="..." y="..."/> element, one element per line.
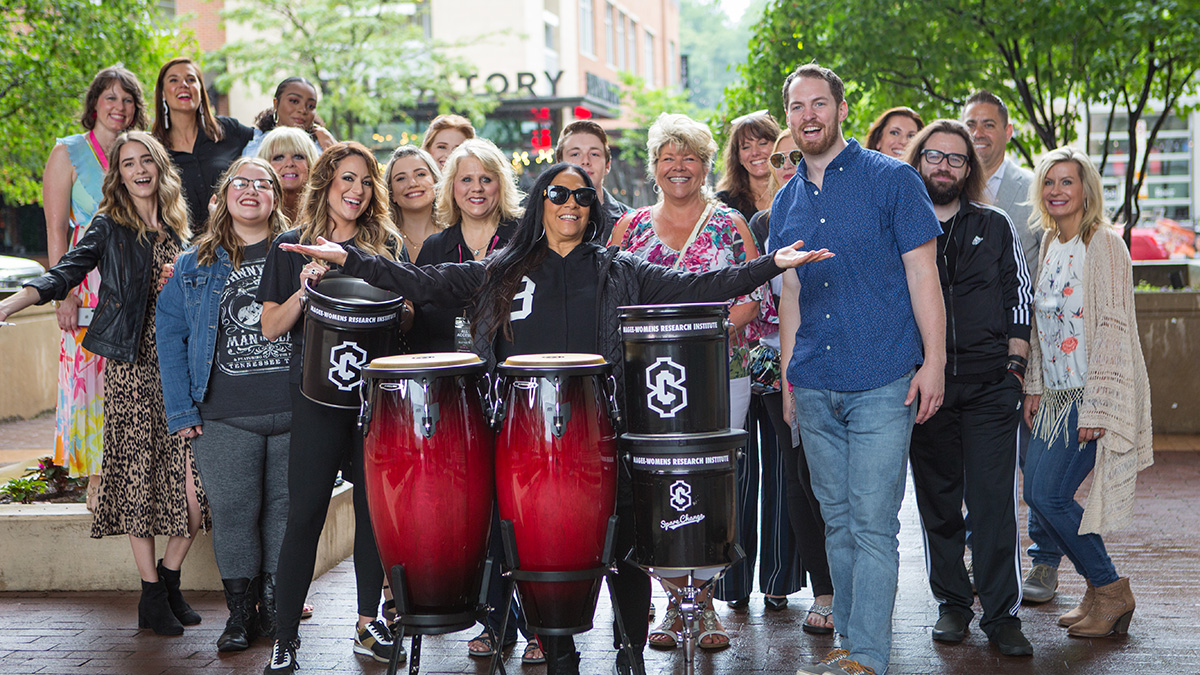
<point x="525" y="251"/>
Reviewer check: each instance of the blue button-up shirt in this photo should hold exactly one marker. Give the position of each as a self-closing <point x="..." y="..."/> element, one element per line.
<point x="857" y="328"/>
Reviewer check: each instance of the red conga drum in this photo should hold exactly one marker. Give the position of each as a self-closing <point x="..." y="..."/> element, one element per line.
<point x="428" y="459"/>
<point x="556" y="480"/>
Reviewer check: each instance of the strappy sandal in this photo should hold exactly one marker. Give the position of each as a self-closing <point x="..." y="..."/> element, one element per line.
<point x="712" y="628"/>
<point x="306" y="610"/>
<point x="528" y="657"/>
<point x="820" y="610"/>
<point x="489" y="643"/>
<point x="666" y="636"/>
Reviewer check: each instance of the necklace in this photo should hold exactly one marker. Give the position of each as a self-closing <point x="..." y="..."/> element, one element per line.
<point x="411" y="243"/>
<point x="482" y="247"/>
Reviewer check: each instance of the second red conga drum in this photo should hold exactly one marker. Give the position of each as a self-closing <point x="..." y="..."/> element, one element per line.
<point x="556" y="479"/>
<point x="428" y="460"/>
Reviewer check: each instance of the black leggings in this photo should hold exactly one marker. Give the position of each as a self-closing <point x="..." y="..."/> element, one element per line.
<point x="323" y="440"/>
<point x="804" y="511"/>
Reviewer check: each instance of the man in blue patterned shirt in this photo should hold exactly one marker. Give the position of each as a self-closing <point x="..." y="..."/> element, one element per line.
<point x="864" y="348"/>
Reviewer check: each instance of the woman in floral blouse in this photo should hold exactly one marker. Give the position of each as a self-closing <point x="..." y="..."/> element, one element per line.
<point x="689" y="231"/>
<point x="1088" y="396"/>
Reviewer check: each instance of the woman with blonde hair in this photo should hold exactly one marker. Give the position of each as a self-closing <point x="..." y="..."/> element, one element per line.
<point x="689" y="231"/>
<point x="478" y="202"/>
<point x="1087" y="393"/>
<point x="444" y="135"/>
<point x="149" y="483"/>
<point x="346" y="203"/>
<point x="412" y="176"/>
<point x="225" y="387"/>
<point x="291" y="155"/>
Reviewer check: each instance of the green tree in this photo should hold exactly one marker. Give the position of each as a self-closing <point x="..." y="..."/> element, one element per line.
<point x="371" y="60"/>
<point x="50" y="52"/>
<point x="714" y="45"/>
<point x="644" y="106"/>
<point x="1048" y="59"/>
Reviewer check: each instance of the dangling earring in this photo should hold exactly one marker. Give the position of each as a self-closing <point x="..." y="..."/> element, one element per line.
<point x="166" y="115"/>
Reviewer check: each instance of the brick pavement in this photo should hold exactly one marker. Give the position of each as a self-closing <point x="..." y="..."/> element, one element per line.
<point x="96" y="633"/>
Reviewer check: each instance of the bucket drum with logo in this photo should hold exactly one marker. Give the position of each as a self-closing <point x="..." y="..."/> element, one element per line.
<point x="676" y="368"/>
<point x="348" y="323"/>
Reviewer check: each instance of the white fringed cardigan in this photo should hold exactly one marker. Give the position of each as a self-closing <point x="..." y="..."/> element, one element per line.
<point x="1116" y="393"/>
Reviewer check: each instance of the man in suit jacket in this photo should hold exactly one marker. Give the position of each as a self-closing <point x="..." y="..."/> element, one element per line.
<point x="986" y="117"/>
<point x="1007" y="184"/>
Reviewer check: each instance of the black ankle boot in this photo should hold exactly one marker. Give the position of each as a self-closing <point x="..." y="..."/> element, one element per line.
<point x="154" y="612"/>
<point x="566" y="663"/>
<point x="626" y="667"/>
<point x="266" y="605"/>
<point x="240" y="627"/>
<point x="184" y="612"/>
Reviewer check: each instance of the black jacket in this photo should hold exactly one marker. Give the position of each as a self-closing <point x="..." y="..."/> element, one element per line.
<point x="625" y="280"/>
<point x="987" y="290"/>
<point x="126" y="272"/>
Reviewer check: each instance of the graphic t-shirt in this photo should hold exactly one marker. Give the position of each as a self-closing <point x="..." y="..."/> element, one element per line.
<point x="250" y="373"/>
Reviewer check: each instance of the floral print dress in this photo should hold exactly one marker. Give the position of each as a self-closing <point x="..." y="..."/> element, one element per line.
<point x="1058" y="303"/>
<point x="718" y="245"/>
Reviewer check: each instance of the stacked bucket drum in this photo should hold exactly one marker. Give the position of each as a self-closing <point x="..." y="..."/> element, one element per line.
<point x="681" y="449"/>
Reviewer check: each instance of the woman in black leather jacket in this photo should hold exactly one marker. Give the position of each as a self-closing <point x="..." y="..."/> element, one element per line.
<point x="149" y="480"/>
<point x="556" y="237"/>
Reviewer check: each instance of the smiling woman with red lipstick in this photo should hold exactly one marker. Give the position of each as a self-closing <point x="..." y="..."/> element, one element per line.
<point x="745" y="185"/>
<point x="345" y="202"/>
<point x="291" y="154"/>
<point x="225" y="387"/>
<point x="202" y="145"/>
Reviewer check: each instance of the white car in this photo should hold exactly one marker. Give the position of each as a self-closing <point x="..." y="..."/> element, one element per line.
<point x="14" y="272"/>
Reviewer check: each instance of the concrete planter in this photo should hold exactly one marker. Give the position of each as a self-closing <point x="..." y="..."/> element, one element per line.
<point x="1166" y="321"/>
<point x="46" y="547"/>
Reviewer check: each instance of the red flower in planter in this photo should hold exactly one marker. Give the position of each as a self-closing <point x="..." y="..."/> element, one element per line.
<point x="1069" y="345"/>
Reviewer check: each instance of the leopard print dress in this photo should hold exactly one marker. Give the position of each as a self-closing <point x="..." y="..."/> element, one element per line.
<point x="144" y="467"/>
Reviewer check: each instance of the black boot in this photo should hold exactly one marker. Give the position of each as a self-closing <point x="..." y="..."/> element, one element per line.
<point x="186" y="615"/>
<point x="626" y="667"/>
<point x="266" y="605"/>
<point x="561" y="659"/>
<point x="154" y="612"/>
<point x="240" y="627"/>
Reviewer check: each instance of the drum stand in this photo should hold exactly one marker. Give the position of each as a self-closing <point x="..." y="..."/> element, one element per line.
<point x="428" y="624"/>
<point x="607" y="569"/>
<point x="691" y="603"/>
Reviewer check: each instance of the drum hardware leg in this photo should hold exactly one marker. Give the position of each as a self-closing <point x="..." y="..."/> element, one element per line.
<point x="637" y="665"/>
<point x="509" y="538"/>
<point x="414" y="655"/>
<point x="399" y="584"/>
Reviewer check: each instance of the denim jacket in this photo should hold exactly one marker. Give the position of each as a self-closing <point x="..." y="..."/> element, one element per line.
<point x="188" y="312"/>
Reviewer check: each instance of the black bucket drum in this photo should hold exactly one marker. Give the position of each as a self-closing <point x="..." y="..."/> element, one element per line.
<point x="676" y="368"/>
<point x="685" y="514"/>
<point x="348" y="323"/>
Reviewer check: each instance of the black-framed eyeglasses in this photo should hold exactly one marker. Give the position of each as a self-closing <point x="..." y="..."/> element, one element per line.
<point x="260" y="184"/>
<point x="793" y="157"/>
<point x="557" y="194"/>
<point x="935" y="157"/>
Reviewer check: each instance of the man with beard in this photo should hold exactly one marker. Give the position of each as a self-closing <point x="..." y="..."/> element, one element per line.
<point x="970" y="442"/>
<point x="1007" y="187"/>
<point x="869" y="358"/>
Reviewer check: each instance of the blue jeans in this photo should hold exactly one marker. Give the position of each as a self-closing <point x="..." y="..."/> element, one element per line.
<point x="1043" y="551"/>
<point x="857" y="444"/>
<point x="1054" y="470"/>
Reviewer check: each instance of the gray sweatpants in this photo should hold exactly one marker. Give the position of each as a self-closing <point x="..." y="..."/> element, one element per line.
<point x="243" y="464"/>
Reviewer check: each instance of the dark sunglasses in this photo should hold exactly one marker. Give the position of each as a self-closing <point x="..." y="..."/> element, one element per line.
<point x="794" y="157"/>
<point x="558" y="194"/>
<point x="260" y="184"/>
<point x="935" y="157"/>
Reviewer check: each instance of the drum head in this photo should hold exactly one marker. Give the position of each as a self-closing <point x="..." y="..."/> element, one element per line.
<point x="436" y="364"/>
<point x="536" y="365"/>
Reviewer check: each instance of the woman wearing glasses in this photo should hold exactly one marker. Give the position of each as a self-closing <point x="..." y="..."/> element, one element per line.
<point x="225" y="387"/>
<point x="555" y="248"/>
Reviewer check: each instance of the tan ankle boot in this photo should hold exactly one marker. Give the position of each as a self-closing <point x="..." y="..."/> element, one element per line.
<point x="1112" y="609"/>
<point x="1076" y="615"/>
